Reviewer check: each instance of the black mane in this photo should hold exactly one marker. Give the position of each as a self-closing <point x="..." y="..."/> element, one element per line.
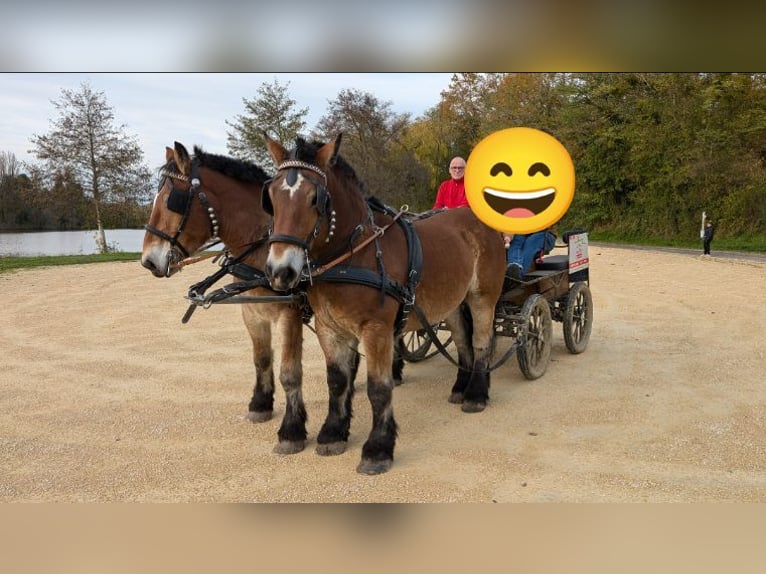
<point x="236" y="168"/>
<point x="307" y="151"/>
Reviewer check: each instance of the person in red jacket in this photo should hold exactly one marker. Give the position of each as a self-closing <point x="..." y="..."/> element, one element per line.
<point x="451" y="192"/>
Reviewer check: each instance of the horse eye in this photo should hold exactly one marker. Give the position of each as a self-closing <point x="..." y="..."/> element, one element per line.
<point x="501" y="167"/>
<point x="539" y="168"/>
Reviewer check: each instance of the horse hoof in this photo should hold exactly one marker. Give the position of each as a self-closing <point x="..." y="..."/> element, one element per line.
<point x="259" y="416"/>
<point x="289" y="446"/>
<point x="473" y="406"/>
<point x="367" y="466"/>
<point x="331" y="448"/>
<point x="456" y="398"/>
<point x="398" y="382"/>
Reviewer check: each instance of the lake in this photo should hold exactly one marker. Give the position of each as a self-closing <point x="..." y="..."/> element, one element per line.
<point x="29" y="244"/>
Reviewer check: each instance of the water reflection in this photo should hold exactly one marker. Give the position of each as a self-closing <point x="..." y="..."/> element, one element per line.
<point x="68" y="242"/>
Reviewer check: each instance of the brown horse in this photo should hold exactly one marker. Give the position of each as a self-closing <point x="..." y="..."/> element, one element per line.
<point x="369" y="269"/>
<point x="208" y="197"/>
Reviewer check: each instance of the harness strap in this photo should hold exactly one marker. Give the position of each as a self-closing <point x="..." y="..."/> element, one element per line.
<point x="363" y="276"/>
<point x="377" y="233"/>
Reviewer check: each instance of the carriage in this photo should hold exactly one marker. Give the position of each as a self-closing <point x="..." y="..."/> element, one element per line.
<point x="557" y="289"/>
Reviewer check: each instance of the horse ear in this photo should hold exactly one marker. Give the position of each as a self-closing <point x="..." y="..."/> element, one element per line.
<point x="169" y="153"/>
<point x="328" y="153"/>
<point x="276" y="149"/>
<point x="181" y="157"/>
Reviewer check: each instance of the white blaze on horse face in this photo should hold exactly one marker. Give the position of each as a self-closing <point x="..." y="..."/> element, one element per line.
<point x="285" y="261"/>
<point x="293" y="189"/>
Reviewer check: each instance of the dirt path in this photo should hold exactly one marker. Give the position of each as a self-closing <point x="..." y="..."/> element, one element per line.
<point x="105" y="396"/>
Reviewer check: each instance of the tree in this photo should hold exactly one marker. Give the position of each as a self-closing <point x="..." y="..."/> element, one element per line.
<point x="10" y="169"/>
<point x="273" y="111"/>
<point x="104" y="161"/>
<point x="374" y="143"/>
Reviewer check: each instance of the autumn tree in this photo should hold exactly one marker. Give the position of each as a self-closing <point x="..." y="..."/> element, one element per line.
<point x="102" y="159"/>
<point x="374" y="144"/>
<point x="272" y="111"/>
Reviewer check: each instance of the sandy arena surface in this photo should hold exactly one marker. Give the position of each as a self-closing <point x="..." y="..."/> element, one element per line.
<point x="106" y="396"/>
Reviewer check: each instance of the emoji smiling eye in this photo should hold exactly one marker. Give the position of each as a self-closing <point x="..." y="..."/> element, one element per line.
<point x="501" y="167"/>
<point x="539" y="168"/>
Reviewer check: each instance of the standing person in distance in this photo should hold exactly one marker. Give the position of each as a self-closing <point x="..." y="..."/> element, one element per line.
<point x="451" y="193"/>
<point x="707" y="236"/>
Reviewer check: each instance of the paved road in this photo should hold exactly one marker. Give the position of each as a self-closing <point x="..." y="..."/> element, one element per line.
<point x="739" y="255"/>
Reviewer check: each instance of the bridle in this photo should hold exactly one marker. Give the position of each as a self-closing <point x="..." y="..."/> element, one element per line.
<point x="323" y="203"/>
<point x="180" y="201"/>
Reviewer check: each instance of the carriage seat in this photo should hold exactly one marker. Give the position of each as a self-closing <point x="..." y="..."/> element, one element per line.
<point x="552" y="263"/>
<point x="555" y="262"/>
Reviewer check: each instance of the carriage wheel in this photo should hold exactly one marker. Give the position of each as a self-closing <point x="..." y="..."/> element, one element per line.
<point x="414" y="346"/>
<point x="578" y="318"/>
<point x="534" y="352"/>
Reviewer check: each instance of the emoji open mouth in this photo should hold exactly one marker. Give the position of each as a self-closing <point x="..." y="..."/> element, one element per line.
<point x="520" y="204"/>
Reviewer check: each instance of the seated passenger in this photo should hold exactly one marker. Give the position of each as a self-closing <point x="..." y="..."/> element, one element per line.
<point x="523" y="249"/>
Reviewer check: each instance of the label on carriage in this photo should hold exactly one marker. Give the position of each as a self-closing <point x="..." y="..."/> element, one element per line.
<point x="578" y="252"/>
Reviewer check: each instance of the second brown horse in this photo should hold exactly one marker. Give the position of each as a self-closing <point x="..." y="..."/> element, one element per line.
<point x="393" y="275"/>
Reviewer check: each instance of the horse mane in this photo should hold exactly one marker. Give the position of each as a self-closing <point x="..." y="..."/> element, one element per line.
<point x="237" y="168"/>
<point x="307" y="151"/>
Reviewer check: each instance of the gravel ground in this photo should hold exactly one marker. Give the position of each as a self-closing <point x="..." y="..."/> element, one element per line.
<point x="106" y="396"/>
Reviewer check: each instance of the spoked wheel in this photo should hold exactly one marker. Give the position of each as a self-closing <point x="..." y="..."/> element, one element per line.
<point x="415" y="345"/>
<point x="578" y="318"/>
<point x="534" y="352"/>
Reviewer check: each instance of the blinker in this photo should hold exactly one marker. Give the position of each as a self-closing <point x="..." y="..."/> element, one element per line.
<point x="178" y="201"/>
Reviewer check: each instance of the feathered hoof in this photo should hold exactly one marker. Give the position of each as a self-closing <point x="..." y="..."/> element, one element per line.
<point x="456" y="398"/>
<point x="367" y="466"/>
<point x="289" y="446"/>
<point x="331" y="449"/>
<point x="259" y="416"/>
<point x="473" y="406"/>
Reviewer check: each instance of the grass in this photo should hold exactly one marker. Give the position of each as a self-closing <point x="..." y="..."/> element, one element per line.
<point x="13" y="263"/>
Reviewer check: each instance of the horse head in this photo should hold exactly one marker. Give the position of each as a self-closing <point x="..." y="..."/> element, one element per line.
<point x="178" y="226"/>
<point x="201" y="200"/>
<point x="300" y="200"/>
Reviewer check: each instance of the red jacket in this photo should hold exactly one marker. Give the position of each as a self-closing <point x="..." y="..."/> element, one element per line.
<point x="451" y="194"/>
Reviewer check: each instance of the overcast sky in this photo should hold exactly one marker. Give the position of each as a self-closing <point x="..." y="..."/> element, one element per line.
<point x="159" y="108"/>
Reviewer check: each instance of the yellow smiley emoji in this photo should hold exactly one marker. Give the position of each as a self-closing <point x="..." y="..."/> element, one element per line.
<point x="519" y="180"/>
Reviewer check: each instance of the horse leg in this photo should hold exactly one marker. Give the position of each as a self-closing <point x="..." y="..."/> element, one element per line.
<point x="342" y="361"/>
<point x="378" y="450"/>
<point x="477" y="391"/>
<point x="459" y="324"/>
<point x="292" y="433"/>
<point x="261" y="405"/>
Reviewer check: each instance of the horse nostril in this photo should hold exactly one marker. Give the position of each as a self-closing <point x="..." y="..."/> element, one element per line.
<point x="148" y="264"/>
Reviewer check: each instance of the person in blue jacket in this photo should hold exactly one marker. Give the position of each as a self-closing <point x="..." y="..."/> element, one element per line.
<point x="523" y="249"/>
